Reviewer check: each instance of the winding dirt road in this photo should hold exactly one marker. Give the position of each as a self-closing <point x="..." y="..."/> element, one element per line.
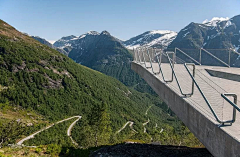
<point x="124" y="126"/>
<point x="69" y="129"/>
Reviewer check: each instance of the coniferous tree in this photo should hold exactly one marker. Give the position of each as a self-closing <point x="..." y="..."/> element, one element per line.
<point x="99" y="120"/>
<point x="10" y="131"/>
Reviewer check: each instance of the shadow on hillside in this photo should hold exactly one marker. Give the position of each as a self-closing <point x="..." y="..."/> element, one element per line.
<point x="77" y="152"/>
<point x="134" y="150"/>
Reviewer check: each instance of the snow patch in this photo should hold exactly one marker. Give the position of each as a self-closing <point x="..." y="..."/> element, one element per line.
<point x="236" y="48"/>
<point x="74" y="38"/>
<point x="165" y="39"/>
<point x="82" y="36"/>
<point x="213" y="36"/>
<point x="214" y="21"/>
<point x="133" y="46"/>
<point x="92" y="33"/>
<point x="201" y="26"/>
<point x="185" y="34"/>
<point x="184" y="29"/>
<point x="140" y="39"/>
<point x="160" y="31"/>
<point x="229" y="23"/>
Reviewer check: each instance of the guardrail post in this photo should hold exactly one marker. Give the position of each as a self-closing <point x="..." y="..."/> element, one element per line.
<point x="150" y="59"/>
<point x="235" y="107"/>
<point x="229" y="58"/>
<point x="194" y="67"/>
<point x="200" y="56"/>
<point x="134" y="53"/>
<point x="175" y="51"/>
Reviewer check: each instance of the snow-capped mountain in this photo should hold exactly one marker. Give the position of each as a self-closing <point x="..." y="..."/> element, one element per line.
<point x="154" y="38"/>
<point x="214" y="21"/>
<point x="65" y="41"/>
<point x="88" y="47"/>
<point x="218" y="33"/>
<point x="101" y="52"/>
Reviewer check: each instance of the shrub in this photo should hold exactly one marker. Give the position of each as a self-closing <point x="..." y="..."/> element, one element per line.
<point x="53" y="149"/>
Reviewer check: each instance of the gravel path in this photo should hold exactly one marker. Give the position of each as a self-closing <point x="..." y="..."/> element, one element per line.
<point x="130" y="125"/>
<point x="32" y="135"/>
<point x="70" y="129"/>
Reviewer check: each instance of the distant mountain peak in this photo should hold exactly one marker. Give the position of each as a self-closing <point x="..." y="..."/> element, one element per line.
<point x="214" y="21"/>
<point x="71" y="41"/>
<point x="92" y="33"/>
<point x="69" y="37"/>
<point x="105" y="33"/>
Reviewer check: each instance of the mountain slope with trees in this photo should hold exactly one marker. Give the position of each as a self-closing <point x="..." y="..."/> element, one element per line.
<point x="40" y="79"/>
<point x="104" y="53"/>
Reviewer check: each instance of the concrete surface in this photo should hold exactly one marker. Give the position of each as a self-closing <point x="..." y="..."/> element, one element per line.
<point x="193" y="111"/>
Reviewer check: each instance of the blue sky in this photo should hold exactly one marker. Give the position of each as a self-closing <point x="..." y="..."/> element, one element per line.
<point x="52" y="19"/>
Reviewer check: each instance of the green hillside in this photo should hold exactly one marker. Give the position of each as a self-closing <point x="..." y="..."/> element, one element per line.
<point x="39" y="79"/>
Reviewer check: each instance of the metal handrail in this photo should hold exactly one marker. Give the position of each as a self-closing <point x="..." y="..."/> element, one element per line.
<point x="229" y="56"/>
<point x="205" y="99"/>
<point x="215" y="57"/>
<point x="186" y="55"/>
<point x="140" y="60"/>
<point x="149" y="57"/>
<point x="144" y="58"/>
<point x="171" y="62"/>
<point x="144" y="61"/>
<point x="234" y="51"/>
<point x="190" y="94"/>
<point x="234" y="104"/>
<point x="159" y="62"/>
<point x="160" y="68"/>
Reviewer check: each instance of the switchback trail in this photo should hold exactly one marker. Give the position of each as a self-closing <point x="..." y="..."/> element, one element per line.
<point x="130" y="125"/>
<point x="70" y="129"/>
<point x="47" y="127"/>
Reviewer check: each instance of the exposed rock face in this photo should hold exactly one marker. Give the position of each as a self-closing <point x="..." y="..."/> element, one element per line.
<point x="126" y="150"/>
